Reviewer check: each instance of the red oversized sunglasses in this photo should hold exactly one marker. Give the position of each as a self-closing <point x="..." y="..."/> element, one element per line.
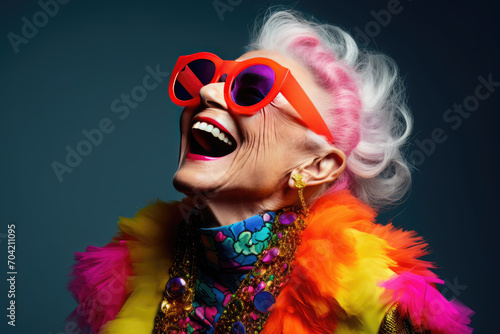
<point x="250" y="85"/>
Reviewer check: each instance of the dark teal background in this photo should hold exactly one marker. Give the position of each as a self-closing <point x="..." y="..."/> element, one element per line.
<point x="65" y="78"/>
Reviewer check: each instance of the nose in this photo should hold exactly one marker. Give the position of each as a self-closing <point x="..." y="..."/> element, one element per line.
<point x="212" y="95"/>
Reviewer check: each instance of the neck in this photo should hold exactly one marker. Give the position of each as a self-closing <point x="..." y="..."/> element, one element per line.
<point x="224" y="212"/>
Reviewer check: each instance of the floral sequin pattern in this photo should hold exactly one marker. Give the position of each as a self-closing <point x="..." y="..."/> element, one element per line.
<point x="228" y="253"/>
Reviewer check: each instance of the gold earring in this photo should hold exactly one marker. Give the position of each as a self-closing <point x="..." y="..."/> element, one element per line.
<point x="300" y="184"/>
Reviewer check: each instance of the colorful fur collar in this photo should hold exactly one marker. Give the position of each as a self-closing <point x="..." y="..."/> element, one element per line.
<point x="348" y="272"/>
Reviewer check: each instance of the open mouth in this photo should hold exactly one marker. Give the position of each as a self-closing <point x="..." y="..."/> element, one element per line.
<point x="209" y="140"/>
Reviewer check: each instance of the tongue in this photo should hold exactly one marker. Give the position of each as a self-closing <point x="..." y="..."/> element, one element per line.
<point x="207" y="144"/>
<point x="203" y="138"/>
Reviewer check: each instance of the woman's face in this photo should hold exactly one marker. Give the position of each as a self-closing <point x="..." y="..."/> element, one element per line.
<point x="252" y="163"/>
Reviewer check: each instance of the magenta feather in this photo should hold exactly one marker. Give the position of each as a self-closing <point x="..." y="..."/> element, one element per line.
<point x="99" y="284"/>
<point x="426" y="306"/>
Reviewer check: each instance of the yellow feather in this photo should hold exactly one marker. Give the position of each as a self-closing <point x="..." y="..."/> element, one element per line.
<point x="150" y="240"/>
<point x="360" y="294"/>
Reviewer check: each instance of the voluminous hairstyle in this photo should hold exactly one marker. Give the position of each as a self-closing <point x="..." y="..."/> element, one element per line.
<point x="368" y="118"/>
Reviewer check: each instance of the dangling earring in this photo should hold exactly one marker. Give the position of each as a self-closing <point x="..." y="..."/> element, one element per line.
<point x="300" y="186"/>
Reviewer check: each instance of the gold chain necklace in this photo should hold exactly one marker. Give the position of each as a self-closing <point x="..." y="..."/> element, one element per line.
<point x="250" y="306"/>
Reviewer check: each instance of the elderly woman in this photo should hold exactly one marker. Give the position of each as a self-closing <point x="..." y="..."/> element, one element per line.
<point x="286" y="153"/>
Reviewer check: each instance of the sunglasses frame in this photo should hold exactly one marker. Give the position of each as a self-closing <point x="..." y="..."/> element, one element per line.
<point x="284" y="82"/>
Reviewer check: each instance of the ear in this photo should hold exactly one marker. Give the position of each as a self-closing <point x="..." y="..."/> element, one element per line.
<point x="324" y="169"/>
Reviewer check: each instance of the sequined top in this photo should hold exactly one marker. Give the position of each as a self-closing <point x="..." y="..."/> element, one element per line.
<point x="397" y="322"/>
<point x="228" y="253"/>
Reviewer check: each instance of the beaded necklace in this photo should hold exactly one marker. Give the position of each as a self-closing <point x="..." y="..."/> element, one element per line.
<point x="251" y="305"/>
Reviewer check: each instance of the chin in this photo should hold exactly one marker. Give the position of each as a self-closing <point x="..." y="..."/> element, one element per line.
<point x="194" y="182"/>
<point x="187" y="182"/>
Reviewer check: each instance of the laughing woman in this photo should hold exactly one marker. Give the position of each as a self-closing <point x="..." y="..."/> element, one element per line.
<point x="286" y="154"/>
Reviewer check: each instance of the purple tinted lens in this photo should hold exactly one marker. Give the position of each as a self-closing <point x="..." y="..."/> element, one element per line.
<point x="252" y="85"/>
<point x="204" y="70"/>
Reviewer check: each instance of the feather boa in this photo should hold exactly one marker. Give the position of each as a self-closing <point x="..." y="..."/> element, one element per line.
<point x="348" y="272"/>
<point x="425" y="305"/>
<point x="99" y="284"/>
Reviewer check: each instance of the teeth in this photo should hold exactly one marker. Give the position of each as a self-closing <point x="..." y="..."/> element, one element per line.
<point x="215" y="131"/>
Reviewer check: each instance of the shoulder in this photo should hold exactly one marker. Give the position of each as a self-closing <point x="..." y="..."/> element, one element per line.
<point x="103" y="278"/>
<point x="350" y="271"/>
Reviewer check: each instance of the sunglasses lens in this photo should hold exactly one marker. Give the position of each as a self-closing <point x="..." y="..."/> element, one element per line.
<point x="252" y="85"/>
<point x="192" y="77"/>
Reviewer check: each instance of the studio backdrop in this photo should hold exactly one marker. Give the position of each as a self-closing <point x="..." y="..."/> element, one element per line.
<point x="89" y="134"/>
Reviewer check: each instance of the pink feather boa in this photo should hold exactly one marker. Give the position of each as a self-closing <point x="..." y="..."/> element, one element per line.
<point x="99" y="284"/>
<point x="418" y="297"/>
